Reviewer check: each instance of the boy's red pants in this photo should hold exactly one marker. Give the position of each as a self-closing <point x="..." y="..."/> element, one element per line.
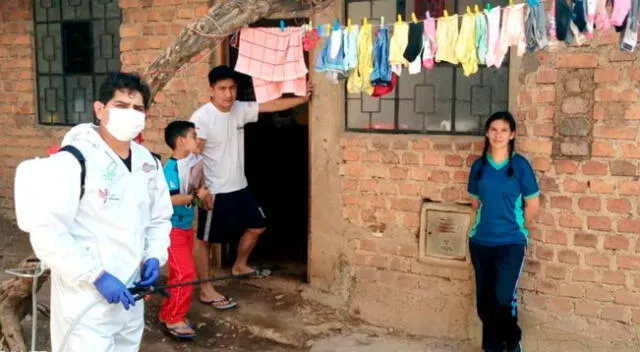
<point x="181" y="269"/>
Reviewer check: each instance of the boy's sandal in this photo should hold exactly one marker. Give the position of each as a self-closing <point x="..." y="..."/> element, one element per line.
<point x="223" y="303"/>
<point x="176" y="334"/>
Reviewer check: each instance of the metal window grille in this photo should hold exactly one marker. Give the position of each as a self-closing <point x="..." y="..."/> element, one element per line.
<point x="437" y="101"/>
<point x="77" y="44"/>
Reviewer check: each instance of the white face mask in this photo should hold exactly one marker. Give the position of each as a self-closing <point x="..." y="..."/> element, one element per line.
<point x="125" y="124"/>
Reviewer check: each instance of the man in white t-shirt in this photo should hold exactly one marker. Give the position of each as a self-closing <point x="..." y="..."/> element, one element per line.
<point x="220" y="128"/>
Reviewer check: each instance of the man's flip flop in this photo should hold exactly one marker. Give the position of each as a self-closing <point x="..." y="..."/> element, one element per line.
<point x="173" y="332"/>
<point x="220" y="303"/>
<point x="259" y="273"/>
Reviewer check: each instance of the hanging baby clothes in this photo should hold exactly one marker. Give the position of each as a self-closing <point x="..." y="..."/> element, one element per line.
<point x="563" y="19"/>
<point x="275" y="61"/>
<point x="465" y="50"/>
<point x="397" y="46"/>
<point x="360" y="78"/>
<point x="551" y="22"/>
<point x="381" y="74"/>
<point x="511" y="33"/>
<point x="481" y="37"/>
<point x="493" y="34"/>
<point x="603" y="23"/>
<point x="429" y="42"/>
<point x="331" y="58"/>
<point x="579" y="16"/>
<point x="350" y="43"/>
<point x="310" y="39"/>
<point x="447" y="37"/>
<point x="630" y="38"/>
<point x="591" y="7"/>
<point x="620" y="11"/>
<point x="536" y="28"/>
<point x="413" y="52"/>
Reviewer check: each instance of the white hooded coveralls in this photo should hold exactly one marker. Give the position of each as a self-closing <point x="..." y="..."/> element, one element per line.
<point x="122" y="219"/>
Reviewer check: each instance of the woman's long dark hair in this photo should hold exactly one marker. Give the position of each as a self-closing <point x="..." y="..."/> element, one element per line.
<point x="504" y="116"/>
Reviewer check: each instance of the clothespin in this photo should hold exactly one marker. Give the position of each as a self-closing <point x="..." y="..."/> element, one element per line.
<point x="381" y="21"/>
<point x="446" y="13"/>
<point x="414" y="18"/>
<point x="310" y="24"/>
<point x="489" y="6"/>
<point x="281" y="25"/>
<point x="477" y="9"/>
<point x="510" y="3"/>
<point x="399" y="18"/>
<point x="365" y="22"/>
<point x="336" y="24"/>
<point x="349" y="24"/>
<point x="320" y="31"/>
<point x="328" y="28"/>
<point x="427" y="15"/>
<point x="468" y="10"/>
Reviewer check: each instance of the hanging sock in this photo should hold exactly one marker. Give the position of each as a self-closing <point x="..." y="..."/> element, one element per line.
<point x="397" y="46"/>
<point x="465" y="50"/>
<point x="603" y="23"/>
<point x="414" y="48"/>
<point x="630" y="38"/>
<point x="381" y="74"/>
<point x="481" y="37"/>
<point x="446" y="38"/>
<point x="563" y="19"/>
<point x="535" y="29"/>
<point x="511" y="33"/>
<point x="428" y="55"/>
<point x="620" y="11"/>
<point x="591" y="8"/>
<point x="360" y="78"/>
<point x="493" y="34"/>
<point x="579" y="15"/>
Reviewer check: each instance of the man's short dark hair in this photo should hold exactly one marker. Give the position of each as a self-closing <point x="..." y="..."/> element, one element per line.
<point x="220" y="73"/>
<point x="124" y="81"/>
<point x="176" y="129"/>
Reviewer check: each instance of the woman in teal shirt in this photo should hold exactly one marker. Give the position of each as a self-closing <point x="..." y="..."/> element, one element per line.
<point x="504" y="192"/>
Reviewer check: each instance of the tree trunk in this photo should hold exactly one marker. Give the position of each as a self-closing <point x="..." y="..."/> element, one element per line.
<point x="222" y="19"/>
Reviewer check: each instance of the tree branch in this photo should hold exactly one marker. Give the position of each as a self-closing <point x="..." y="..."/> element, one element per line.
<point x="222" y="19"/>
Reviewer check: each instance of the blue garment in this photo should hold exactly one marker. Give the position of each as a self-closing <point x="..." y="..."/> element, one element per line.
<point x="334" y="68"/>
<point x="500" y="218"/>
<point x="381" y="74"/>
<point x="182" y="215"/>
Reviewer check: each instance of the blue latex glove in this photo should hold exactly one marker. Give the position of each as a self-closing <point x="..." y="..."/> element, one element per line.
<point x="114" y="291"/>
<point x="150" y="272"/>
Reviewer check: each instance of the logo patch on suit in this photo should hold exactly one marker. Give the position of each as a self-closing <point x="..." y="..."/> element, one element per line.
<point x="147" y="168"/>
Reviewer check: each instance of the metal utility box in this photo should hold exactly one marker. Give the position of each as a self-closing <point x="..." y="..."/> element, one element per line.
<point x="444" y="230"/>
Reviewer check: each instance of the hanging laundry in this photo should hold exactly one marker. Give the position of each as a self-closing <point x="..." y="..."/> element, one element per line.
<point x="414" y="48"/>
<point x="429" y="42"/>
<point x="381" y="74"/>
<point x="536" y="28"/>
<point x="603" y="23"/>
<point x="446" y="38"/>
<point x="579" y="15"/>
<point x="575" y="36"/>
<point x="630" y="38"/>
<point x="551" y="22"/>
<point x="481" y="37"/>
<point x="493" y="34"/>
<point x="620" y="11"/>
<point x="275" y="60"/>
<point x="511" y="33"/>
<point x="397" y="46"/>
<point x="310" y="39"/>
<point x="415" y="66"/>
<point x="350" y="43"/>
<point x="360" y="78"/>
<point x="332" y="66"/>
<point x="434" y="7"/>
<point x="563" y="19"/>
<point x="382" y="90"/>
<point x="591" y="10"/>
<point x="465" y="51"/>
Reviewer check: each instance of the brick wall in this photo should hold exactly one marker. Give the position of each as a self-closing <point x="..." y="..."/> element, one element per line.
<point x="147" y="28"/>
<point x="579" y="118"/>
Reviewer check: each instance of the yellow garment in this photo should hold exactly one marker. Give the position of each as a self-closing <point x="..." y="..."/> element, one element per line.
<point x="397" y="46"/>
<point x="360" y="77"/>
<point x="466" y="45"/>
<point x="446" y="38"/>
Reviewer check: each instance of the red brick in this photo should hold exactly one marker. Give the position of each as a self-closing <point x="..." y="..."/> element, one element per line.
<point x="595" y="168"/>
<point x="376" y="171"/>
<point x="630" y="188"/>
<point x="379" y="261"/>
<point x="555" y="272"/>
<point x="613" y="277"/>
<point x="535" y="234"/>
<point x="635" y="316"/>
<point x="421" y="144"/>
<point x="632" y="113"/>
<point x="398" y="173"/>
<point x="537" y="146"/>
<point x="409" y="189"/>
<point x="400" y="144"/>
<point x="419" y="174"/>
<point x="544" y="252"/>
<point x="439" y="176"/>
<point x="350" y="199"/>
<point x="604" y="75"/>
<point x="406" y="204"/>
<point x="371" y="156"/>
<point x="601" y="187"/>
<point x="589" y="203"/>
<point x="532" y="266"/>
<point x="583" y="275"/>
<point x="390" y="188"/>
<point x="548" y="184"/>
<point x="615" y="313"/>
<point x="547" y="286"/>
<point x="543" y="130"/>
<point x="400" y="264"/>
<point x="630" y="95"/>
<point x="368" y="185"/>
<point x="408" y="251"/>
<point x="616" y="242"/>
<point x="350" y="155"/>
<point x="541" y="164"/>
<point x="574" y="186"/>
<point x="630" y="151"/>
<point x="368" y="215"/>
<point x="368" y="245"/>
<point x="629" y="226"/>
<point x="628" y="262"/>
<point x="599" y="293"/>
<point x="390" y="157"/>
<point x="602" y="149"/>
<point x="568" y="256"/>
<point x="349" y="184"/>
<point x="411" y="220"/>
<point x="565" y="167"/>
<point x="596" y="259"/>
<point x="572" y="290"/>
<point x="633" y="73"/>
<point x="621" y="206"/>
<point x="546" y="75"/>
<point x="601" y="223"/>
<point x="409" y="158"/>
<point x="453" y="160"/>
<point x="535" y="301"/>
<point x="461" y="177"/>
<point x="585" y="240"/>
<point x="561" y="202"/>
<point x="614" y="132"/>
<point x="353" y="170"/>
<point x="555" y="237"/>
<point x="432" y="159"/>
<point x="623" y="168"/>
<point x="570" y="221"/>
<point x="361" y="259"/>
<point x="559" y="305"/>
<point x="577" y="60"/>
<point x="586" y="308"/>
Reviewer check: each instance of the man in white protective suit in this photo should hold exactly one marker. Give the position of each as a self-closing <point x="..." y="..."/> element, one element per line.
<point x="110" y="237"/>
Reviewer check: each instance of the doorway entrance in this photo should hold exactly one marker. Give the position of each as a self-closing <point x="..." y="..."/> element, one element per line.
<point x="277" y="169"/>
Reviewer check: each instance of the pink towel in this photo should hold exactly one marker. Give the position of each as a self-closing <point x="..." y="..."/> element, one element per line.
<point x="275" y="61"/>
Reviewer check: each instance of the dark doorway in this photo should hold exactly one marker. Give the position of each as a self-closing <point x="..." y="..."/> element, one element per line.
<point x="277" y="169"/>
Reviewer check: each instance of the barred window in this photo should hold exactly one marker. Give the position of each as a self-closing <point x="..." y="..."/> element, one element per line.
<point x="437" y="101"/>
<point x="77" y="43"/>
